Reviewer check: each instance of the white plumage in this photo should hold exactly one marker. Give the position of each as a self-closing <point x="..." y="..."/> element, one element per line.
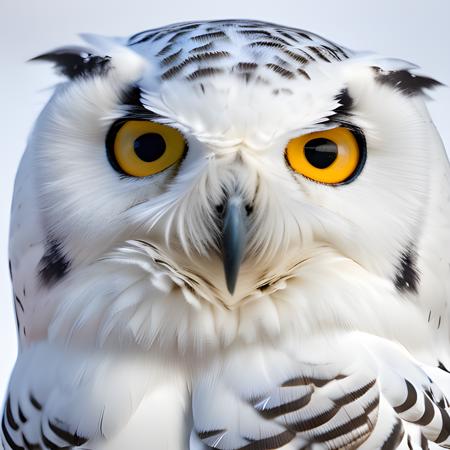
<point x="336" y="333"/>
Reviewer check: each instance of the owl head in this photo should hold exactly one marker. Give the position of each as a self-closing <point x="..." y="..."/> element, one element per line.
<point x="237" y="167"/>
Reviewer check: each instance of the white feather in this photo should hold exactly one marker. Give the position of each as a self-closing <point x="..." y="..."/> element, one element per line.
<point x="137" y="342"/>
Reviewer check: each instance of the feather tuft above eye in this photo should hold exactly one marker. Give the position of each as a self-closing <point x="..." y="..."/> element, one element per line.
<point x="74" y="62"/>
<point x="405" y="81"/>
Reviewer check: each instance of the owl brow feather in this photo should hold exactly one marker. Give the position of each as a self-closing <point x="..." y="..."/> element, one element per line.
<point x="345" y="103"/>
<point x="135" y="109"/>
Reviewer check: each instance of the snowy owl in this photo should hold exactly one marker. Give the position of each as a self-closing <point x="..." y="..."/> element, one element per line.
<point x="231" y="235"/>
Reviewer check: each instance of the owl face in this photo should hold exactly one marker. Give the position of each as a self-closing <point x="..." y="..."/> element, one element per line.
<point x="237" y="152"/>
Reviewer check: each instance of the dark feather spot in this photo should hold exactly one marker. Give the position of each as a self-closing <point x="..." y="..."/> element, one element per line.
<point x="281" y="71"/>
<point x="19" y="302"/>
<point x="29" y="445"/>
<point x="319" y="52"/>
<point x="272" y="442"/>
<point x="160" y="35"/>
<point x="407" y="276"/>
<point x="303" y="73"/>
<point x="132" y="97"/>
<point x="245" y="66"/>
<point x="210" y="36"/>
<point x="439" y="402"/>
<point x="9" y="416"/>
<point x="135" y="109"/>
<point x="71" y="438"/>
<point x="54" y="264"/>
<point x="266" y="44"/>
<point x="35" y="403"/>
<point x="350" y="426"/>
<point x="304" y="35"/>
<point x="286" y="34"/>
<point x="318" y="420"/>
<point x="332" y="52"/>
<point x="428" y="413"/>
<point x="410" y="401"/>
<point x="166" y="49"/>
<point x="188" y="26"/>
<point x="207" y="434"/>
<point x="206" y="56"/>
<point x="202" y="73"/>
<point x="74" y="62"/>
<point x="143" y="36"/>
<point x="168" y="74"/>
<point x="255" y="32"/>
<point x="395" y="437"/>
<point x="295" y="56"/>
<point x="408" y="441"/>
<point x="345" y="103"/>
<point x="202" y="48"/>
<point x="340" y="51"/>
<point x="50" y="444"/>
<point x="177" y="35"/>
<point x="285" y="408"/>
<point x="264" y="34"/>
<point x="352" y="396"/>
<point x="171" y="58"/>
<point x="424" y="442"/>
<point x="8" y="437"/>
<point x="405" y="81"/>
<point x="22" y="416"/>
<point x="445" y="431"/>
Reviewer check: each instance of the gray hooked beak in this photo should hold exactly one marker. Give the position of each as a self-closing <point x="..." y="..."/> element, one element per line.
<point x="234" y="238"/>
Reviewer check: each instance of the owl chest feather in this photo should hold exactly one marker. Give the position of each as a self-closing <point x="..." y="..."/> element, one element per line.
<point x="329" y="394"/>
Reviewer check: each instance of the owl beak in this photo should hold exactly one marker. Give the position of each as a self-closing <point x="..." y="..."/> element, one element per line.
<point x="234" y="239"/>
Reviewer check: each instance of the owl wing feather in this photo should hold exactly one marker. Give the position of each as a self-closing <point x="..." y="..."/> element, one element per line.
<point x="357" y="400"/>
<point x="35" y="396"/>
<point x="59" y="400"/>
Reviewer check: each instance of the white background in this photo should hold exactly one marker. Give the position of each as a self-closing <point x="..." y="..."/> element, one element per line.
<point x="415" y="30"/>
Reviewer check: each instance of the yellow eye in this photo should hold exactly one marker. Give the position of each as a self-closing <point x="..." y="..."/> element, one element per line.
<point x="331" y="156"/>
<point x="140" y="148"/>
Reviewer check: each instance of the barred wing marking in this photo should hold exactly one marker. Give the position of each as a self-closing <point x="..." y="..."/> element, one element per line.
<point x="58" y="399"/>
<point x="334" y="405"/>
<point x="431" y="413"/>
<point x="276" y="401"/>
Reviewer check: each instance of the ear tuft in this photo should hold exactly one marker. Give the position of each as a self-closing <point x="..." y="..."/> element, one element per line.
<point x="74" y="62"/>
<point x="405" y="81"/>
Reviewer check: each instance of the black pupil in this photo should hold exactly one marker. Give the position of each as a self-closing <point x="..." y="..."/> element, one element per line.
<point x="321" y="152"/>
<point x="149" y="147"/>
